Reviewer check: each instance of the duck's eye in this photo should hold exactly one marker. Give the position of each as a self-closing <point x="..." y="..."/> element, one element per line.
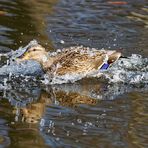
<point x="34" y="49"/>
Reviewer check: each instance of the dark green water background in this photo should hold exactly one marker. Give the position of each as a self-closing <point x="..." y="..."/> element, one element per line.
<point x="66" y="116"/>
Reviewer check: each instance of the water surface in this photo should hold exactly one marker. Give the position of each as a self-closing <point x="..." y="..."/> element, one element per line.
<point x="90" y="112"/>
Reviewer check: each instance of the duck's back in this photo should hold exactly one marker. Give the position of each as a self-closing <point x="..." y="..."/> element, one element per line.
<point x="77" y="61"/>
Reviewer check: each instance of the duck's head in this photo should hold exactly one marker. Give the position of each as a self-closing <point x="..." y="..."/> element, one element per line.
<point x="37" y="53"/>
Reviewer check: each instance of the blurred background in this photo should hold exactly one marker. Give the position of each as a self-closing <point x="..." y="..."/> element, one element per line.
<point x="100" y="24"/>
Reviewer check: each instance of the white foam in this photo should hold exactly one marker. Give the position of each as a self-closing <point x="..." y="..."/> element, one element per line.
<point x="129" y="70"/>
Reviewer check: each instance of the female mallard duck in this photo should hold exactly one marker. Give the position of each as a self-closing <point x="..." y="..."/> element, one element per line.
<point x="72" y="61"/>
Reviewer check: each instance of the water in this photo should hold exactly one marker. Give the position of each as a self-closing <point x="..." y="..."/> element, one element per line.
<point x="91" y="112"/>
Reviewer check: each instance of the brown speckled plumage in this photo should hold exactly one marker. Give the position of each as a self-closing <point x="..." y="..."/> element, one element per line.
<point x="73" y="60"/>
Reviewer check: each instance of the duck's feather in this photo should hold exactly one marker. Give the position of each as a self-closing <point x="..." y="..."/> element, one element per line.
<point x="76" y="61"/>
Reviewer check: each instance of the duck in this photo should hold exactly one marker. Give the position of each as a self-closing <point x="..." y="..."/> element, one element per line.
<point x="74" y="60"/>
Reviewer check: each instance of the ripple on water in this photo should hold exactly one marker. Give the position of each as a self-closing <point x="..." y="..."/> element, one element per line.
<point x="4" y="137"/>
<point x="105" y="126"/>
<point x="118" y="116"/>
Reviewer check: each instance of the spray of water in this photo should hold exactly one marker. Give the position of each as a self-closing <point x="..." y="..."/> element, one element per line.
<point x="131" y="70"/>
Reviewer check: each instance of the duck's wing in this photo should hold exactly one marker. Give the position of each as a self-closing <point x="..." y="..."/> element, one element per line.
<point x="78" y="62"/>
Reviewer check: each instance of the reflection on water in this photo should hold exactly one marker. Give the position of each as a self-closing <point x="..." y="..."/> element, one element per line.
<point x="88" y="113"/>
<point x="140" y="17"/>
<point x="139" y="113"/>
<point x="65" y="115"/>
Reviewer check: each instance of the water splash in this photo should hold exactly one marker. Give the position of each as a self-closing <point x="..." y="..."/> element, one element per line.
<point x="18" y="53"/>
<point x="131" y="70"/>
<point x="67" y="78"/>
<point x="25" y="68"/>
